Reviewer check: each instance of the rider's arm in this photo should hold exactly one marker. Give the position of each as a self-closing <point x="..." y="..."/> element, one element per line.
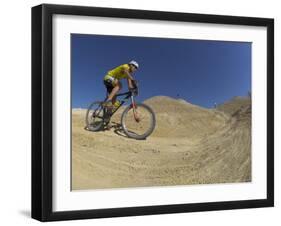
<point x="128" y="74"/>
<point x="130" y="83"/>
<point x="130" y="79"/>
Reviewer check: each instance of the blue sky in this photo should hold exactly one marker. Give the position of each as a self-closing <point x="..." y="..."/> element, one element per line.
<point x="200" y="71"/>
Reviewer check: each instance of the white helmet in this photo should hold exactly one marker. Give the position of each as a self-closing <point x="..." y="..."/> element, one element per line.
<point x="134" y="63"/>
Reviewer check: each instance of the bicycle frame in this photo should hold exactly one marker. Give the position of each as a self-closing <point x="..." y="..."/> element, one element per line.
<point x="124" y="100"/>
<point x="127" y="95"/>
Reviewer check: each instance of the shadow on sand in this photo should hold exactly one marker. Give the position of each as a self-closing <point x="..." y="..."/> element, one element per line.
<point x="116" y="126"/>
<point x="117" y="129"/>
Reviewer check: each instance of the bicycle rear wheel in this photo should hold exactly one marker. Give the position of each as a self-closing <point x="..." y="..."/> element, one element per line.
<point x="95" y="119"/>
<point x="138" y="129"/>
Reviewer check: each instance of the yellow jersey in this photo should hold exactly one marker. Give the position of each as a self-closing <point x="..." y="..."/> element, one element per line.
<point x="118" y="72"/>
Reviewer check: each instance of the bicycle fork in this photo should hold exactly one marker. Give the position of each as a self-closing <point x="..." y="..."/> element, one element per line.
<point x="134" y="106"/>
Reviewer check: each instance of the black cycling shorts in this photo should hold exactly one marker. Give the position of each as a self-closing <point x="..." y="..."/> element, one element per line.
<point x="108" y="85"/>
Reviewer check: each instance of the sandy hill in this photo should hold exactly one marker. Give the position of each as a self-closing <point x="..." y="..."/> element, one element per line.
<point x="190" y="145"/>
<point x="177" y="117"/>
<point x="234" y="104"/>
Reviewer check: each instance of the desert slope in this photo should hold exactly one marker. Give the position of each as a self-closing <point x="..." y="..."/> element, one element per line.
<point x="190" y="145"/>
<point x="179" y="118"/>
<point x="235" y="104"/>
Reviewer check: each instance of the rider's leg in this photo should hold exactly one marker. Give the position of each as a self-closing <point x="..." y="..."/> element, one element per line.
<point x="114" y="100"/>
<point x="115" y="90"/>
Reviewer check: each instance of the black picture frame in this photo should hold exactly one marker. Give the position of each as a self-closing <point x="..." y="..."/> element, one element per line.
<point x="42" y="111"/>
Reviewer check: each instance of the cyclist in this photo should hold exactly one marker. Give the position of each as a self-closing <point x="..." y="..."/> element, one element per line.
<point x="112" y="80"/>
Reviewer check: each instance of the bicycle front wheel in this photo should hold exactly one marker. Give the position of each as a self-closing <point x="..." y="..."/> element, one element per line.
<point x="139" y="124"/>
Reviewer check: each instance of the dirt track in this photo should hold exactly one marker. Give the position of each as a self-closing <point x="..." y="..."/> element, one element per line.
<point x="190" y="145"/>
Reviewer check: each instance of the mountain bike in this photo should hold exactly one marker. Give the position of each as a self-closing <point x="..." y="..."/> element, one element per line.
<point x="137" y="120"/>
